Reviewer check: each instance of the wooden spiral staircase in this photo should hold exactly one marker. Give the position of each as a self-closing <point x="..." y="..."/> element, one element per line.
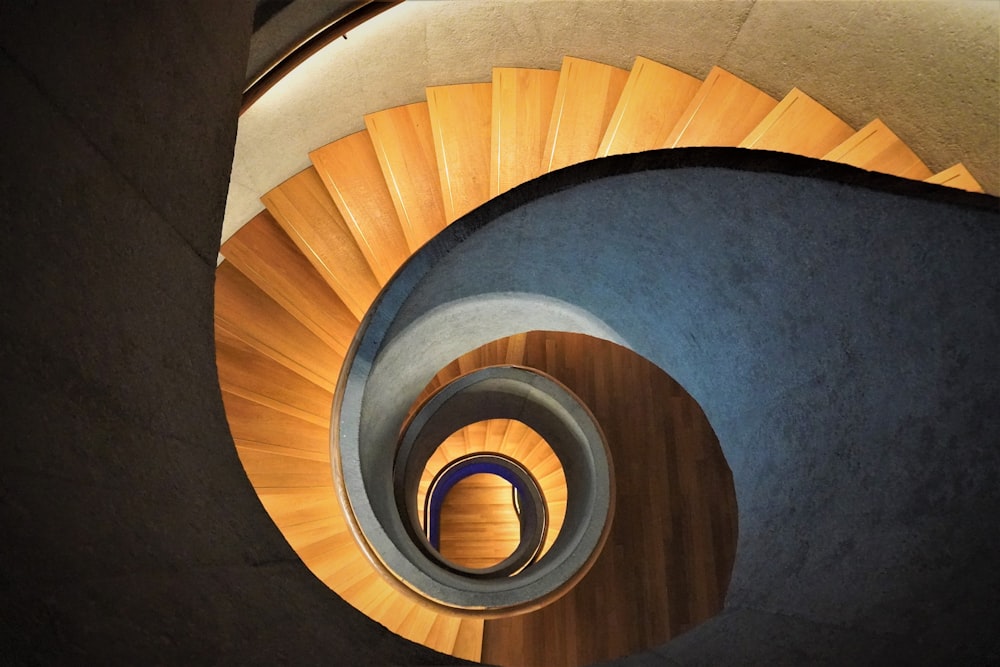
<point x="299" y="276"/>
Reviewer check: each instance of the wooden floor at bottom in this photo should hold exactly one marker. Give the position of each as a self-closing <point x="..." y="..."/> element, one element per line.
<point x="667" y="562"/>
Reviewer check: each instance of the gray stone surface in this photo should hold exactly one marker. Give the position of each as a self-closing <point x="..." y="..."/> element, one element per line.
<point x="376" y="473"/>
<point x="841" y="339"/>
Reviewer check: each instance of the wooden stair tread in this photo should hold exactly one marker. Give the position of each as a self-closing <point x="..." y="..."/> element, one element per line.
<point x="266" y="469"/>
<point x="800" y="125"/>
<point x="350" y="170"/>
<point x="264" y="253"/>
<point x="956" y="176"/>
<point x="522" y="109"/>
<point x="404" y="144"/>
<point x="651" y="103"/>
<point x="393" y="615"/>
<point x="315" y="527"/>
<point x="379" y="594"/>
<point x="303" y="208"/>
<point x="461" y="118"/>
<point x="304" y="509"/>
<point x="417" y="624"/>
<point x="287" y="449"/>
<point x="724" y="110"/>
<point x="444" y="633"/>
<point x="247" y="313"/>
<point x="586" y="98"/>
<point x="877" y="148"/>
<point x="248" y="373"/>
<point x="469" y="643"/>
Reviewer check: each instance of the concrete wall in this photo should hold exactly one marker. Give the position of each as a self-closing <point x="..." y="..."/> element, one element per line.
<point x="838" y="328"/>
<point x="129" y="533"/>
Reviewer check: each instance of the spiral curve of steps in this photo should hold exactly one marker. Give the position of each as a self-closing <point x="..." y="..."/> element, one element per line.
<point x="298" y="278"/>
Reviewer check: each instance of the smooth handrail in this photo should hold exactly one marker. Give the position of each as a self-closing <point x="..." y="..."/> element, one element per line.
<point x="306" y="47"/>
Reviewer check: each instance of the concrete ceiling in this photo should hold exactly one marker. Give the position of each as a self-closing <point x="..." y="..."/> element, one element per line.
<point x="930" y="70"/>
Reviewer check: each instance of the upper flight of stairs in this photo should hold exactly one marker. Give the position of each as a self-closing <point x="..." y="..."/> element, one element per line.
<point x="299" y="276"/>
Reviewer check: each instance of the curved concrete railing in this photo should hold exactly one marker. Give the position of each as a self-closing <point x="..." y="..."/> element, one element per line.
<point x="386" y="513"/>
<point x="821" y="345"/>
<point x="531" y="512"/>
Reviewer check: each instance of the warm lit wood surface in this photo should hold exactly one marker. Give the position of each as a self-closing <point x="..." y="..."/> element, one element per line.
<point x="957" y="176"/>
<point x="263" y="253"/>
<point x="479" y="526"/>
<point x="461" y="120"/>
<point x="724" y="110"/>
<point x="522" y="109"/>
<point x="586" y="98"/>
<point x="351" y="173"/>
<point x="245" y="311"/>
<point x="246" y="372"/>
<point x="404" y="144"/>
<point x="303" y="208"/>
<point x="650" y="105"/>
<point x="510" y="438"/>
<point x="666" y="565"/>
<point x="800" y="125"/>
<point x="877" y="148"/>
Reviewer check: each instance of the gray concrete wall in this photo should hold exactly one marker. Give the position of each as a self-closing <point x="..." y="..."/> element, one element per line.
<point x="129" y="533"/>
<point x="840" y="331"/>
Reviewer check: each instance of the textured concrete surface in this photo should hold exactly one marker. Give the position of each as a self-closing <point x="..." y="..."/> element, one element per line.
<point x="129" y="533"/>
<point x="929" y="69"/>
<point x="376" y="474"/>
<point x="842" y="341"/>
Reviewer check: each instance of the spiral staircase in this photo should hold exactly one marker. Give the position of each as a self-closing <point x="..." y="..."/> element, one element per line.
<point x="299" y="278"/>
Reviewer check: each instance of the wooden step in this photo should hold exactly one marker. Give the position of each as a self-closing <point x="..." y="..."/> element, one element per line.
<point x="378" y="595"/>
<point x="266" y="469"/>
<point x="479" y="527"/>
<point x="586" y="98"/>
<point x="247" y="313"/>
<point x="291" y="511"/>
<point x="303" y="208"/>
<point x="254" y="376"/>
<point x="417" y="624"/>
<point x="496" y="430"/>
<point x="724" y="110"/>
<point x="877" y="148"/>
<point x="312" y="531"/>
<point x="444" y="633"/>
<point x="335" y="561"/>
<point x="349" y="168"/>
<point x="461" y="117"/>
<point x="276" y="431"/>
<point x="365" y="592"/>
<point x="522" y="109"/>
<point x="394" y="614"/>
<point x="404" y="144"/>
<point x="342" y="572"/>
<point x="957" y="176"/>
<point x="265" y="254"/>
<point x="800" y="125"/>
<point x="322" y="552"/>
<point x="469" y="644"/>
<point x="650" y="105"/>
